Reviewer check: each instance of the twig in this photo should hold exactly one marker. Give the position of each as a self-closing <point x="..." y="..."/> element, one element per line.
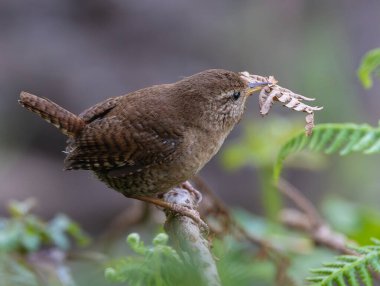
<point x="301" y="201"/>
<point x="309" y="220"/>
<point x="187" y="236"/>
<point x="229" y="223"/>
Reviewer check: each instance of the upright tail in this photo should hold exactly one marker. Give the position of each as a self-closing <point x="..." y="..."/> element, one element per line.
<point x="69" y="123"/>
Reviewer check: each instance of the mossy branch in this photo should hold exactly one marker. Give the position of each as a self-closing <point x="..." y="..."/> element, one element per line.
<point x="188" y="238"/>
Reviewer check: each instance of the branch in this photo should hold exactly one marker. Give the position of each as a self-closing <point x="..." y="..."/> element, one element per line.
<point x="187" y="236"/>
<point x="222" y="212"/>
<point x="230" y="225"/>
<point x="308" y="220"/>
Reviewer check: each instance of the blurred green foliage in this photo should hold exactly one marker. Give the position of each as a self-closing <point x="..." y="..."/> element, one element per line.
<point x="359" y="222"/>
<point x="25" y="232"/>
<point x="14" y="272"/>
<point x="25" y="244"/>
<point x="239" y="262"/>
<point x="260" y="142"/>
<point x="158" y="264"/>
<point x="331" y="138"/>
<point x="350" y="269"/>
<point x="370" y="65"/>
<point x="258" y="147"/>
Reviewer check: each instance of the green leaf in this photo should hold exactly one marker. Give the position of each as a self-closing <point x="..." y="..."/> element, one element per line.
<point x="19" y="209"/>
<point x="15" y="272"/>
<point x="158" y="264"/>
<point x="161" y="239"/>
<point x="10" y="236"/>
<point x="369" y="65"/>
<point x="349" y="266"/>
<point x="136" y="244"/>
<point x="60" y="226"/>
<point x="77" y="233"/>
<point x="331" y="138"/>
<point x="24" y="231"/>
<point x="30" y="240"/>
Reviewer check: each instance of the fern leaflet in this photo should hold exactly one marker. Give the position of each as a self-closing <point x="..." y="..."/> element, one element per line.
<point x="331" y="138"/>
<point x="369" y="65"/>
<point x="349" y="269"/>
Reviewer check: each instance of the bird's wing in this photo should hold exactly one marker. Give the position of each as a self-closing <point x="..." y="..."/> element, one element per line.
<point x="99" y="110"/>
<point x="109" y="143"/>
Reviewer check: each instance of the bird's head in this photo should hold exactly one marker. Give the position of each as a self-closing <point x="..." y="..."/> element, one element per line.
<point x="220" y="95"/>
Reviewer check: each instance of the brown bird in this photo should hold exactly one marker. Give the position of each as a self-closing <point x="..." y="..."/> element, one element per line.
<point x="146" y="142"/>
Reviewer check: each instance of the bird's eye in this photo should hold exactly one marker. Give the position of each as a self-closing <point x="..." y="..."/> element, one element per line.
<point x="236" y="95"/>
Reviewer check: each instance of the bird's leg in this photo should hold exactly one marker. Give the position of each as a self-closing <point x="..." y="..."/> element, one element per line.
<point x="178" y="208"/>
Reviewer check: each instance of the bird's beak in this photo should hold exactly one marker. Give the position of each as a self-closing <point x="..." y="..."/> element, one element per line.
<point x="255" y="86"/>
<point x="254" y="83"/>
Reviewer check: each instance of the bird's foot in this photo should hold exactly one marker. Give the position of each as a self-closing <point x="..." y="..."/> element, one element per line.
<point x="182" y="206"/>
<point x="184" y="201"/>
<point x="197" y="194"/>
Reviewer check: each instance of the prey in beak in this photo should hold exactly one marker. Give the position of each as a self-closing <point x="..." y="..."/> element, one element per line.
<point x="256" y="86"/>
<point x="256" y="82"/>
<point x="271" y="92"/>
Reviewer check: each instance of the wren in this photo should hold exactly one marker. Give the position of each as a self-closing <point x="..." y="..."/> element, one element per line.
<point x="148" y="141"/>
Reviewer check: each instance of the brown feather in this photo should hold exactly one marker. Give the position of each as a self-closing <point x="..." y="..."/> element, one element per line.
<point x="67" y="122"/>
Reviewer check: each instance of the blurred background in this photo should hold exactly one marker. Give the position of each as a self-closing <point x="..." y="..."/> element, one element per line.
<point x="78" y="53"/>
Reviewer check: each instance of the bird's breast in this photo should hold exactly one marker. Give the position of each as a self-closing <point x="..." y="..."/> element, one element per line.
<point x="200" y="147"/>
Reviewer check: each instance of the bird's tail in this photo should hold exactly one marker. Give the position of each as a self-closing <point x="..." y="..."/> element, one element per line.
<point x="69" y="123"/>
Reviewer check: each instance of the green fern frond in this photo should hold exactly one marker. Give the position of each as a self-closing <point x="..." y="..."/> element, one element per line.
<point x="349" y="269"/>
<point x="370" y="65"/>
<point x="332" y="138"/>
